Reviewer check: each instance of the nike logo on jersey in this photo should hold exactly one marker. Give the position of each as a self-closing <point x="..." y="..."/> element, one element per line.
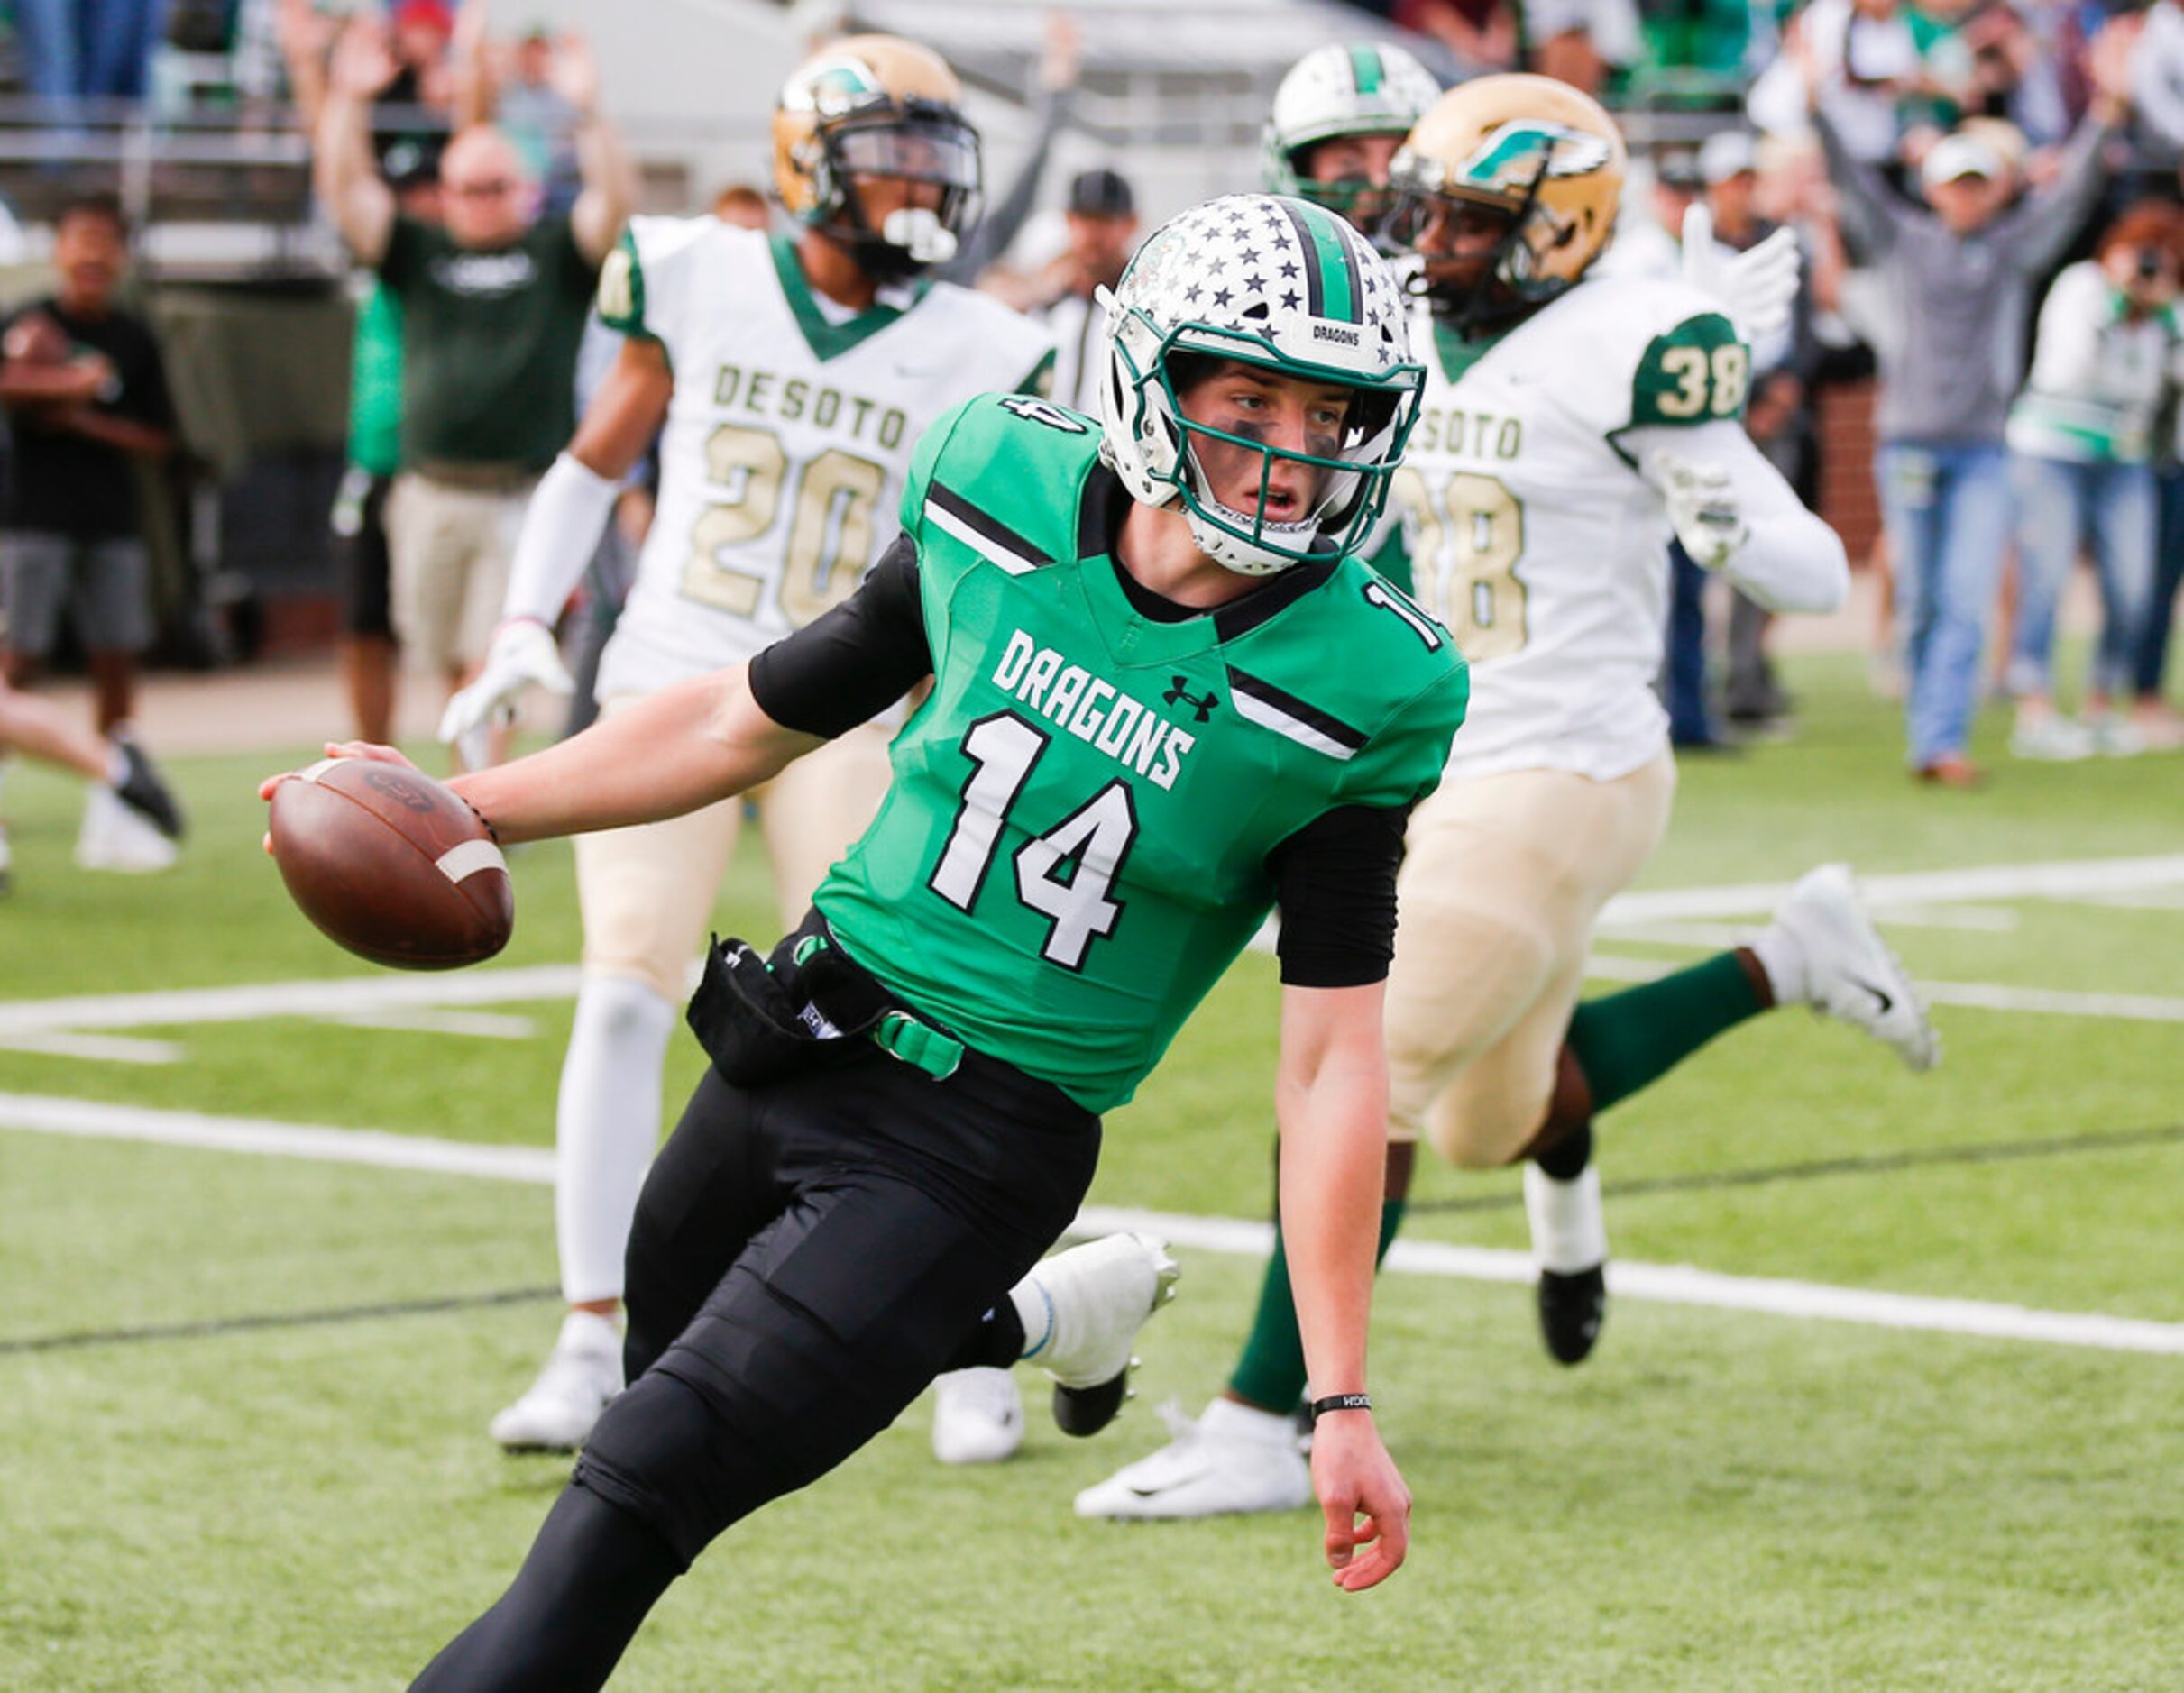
<point x="1093" y="709"/>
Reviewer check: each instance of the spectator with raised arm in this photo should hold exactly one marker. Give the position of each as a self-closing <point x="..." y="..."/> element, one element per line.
<point x="1960" y="273"/>
<point x="494" y="302"/>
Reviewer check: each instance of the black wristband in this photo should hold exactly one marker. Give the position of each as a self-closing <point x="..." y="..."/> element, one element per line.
<point x="484" y="822"/>
<point x="1318" y="1408"/>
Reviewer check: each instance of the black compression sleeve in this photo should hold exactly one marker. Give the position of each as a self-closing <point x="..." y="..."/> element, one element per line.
<point x="847" y="666"/>
<point x="1334" y="882"/>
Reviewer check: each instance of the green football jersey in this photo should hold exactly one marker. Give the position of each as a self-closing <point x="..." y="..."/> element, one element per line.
<point x="1074" y="846"/>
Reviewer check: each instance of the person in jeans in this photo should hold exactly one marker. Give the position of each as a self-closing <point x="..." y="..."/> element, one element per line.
<point x="1960" y="271"/>
<point x="2080" y="439"/>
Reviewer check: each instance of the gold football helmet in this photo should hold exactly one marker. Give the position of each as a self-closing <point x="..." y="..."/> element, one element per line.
<point x="877" y="105"/>
<point x="1541" y="160"/>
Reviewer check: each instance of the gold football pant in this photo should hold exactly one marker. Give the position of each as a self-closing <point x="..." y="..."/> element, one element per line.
<point x="1503" y="880"/>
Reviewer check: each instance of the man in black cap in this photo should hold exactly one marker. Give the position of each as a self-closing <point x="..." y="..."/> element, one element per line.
<point x="1101" y="217"/>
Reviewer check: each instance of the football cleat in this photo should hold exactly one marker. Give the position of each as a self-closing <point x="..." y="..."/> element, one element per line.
<point x="1095" y="1297"/>
<point x="582" y="1376"/>
<point x="114" y="837"/>
<point x="1572" y="1309"/>
<point x="1234" y="1460"/>
<point x="1850" y="974"/>
<point x="1570" y="1242"/>
<point x="978" y="1417"/>
<point x="144" y="791"/>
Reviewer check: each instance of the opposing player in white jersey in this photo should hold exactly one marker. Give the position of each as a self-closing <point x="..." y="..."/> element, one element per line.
<point x="1569" y="427"/>
<point x="792" y="378"/>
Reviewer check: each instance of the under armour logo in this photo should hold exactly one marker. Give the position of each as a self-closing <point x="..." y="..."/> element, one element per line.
<point x="1182" y="695"/>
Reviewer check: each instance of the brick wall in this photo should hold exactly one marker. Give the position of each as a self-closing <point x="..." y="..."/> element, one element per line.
<point x="1846" y="499"/>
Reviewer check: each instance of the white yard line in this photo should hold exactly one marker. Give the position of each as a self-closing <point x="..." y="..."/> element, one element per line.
<point x="1986" y="996"/>
<point x="2068" y="879"/>
<point x="1661" y="1284"/>
<point x="339" y="997"/>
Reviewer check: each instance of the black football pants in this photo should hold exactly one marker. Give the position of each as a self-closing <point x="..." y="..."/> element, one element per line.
<point x="806" y="1257"/>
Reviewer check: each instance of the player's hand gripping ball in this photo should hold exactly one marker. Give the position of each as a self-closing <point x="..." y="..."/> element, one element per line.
<point x="390" y="864"/>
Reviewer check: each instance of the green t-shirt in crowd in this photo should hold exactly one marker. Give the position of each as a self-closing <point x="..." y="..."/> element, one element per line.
<point x="1075" y="845"/>
<point x="489" y="339"/>
<point x="375" y="384"/>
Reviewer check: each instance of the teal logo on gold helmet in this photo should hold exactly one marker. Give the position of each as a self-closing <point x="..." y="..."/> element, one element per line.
<point x="833" y="86"/>
<point x="1508" y="160"/>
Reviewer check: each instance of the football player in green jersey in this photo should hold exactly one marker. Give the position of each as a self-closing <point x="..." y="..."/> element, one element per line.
<point x="1338" y="117"/>
<point x="1132" y="749"/>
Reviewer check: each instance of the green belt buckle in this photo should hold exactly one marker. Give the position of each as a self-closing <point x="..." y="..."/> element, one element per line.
<point x="918" y="1044"/>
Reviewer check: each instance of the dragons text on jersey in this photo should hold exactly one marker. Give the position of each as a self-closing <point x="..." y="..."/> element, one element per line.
<point x="1076" y="842"/>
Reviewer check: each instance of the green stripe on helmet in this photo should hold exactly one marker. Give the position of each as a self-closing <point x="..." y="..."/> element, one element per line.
<point x="1342" y="289"/>
<point x="1366" y="69"/>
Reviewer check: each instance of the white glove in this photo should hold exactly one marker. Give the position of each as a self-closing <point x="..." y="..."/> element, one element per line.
<point x="1703" y="506"/>
<point x="1757" y="287"/>
<point x="522" y="655"/>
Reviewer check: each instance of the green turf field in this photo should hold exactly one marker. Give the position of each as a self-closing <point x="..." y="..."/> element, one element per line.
<point x="245" y="1393"/>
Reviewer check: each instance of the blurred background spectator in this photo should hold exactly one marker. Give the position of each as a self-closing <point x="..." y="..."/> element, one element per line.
<point x="1961" y="273"/>
<point x="87" y="402"/>
<point x="2081" y="443"/>
<point x="494" y="304"/>
<point x="75" y="50"/>
<point x="1778" y="414"/>
<point x="1100" y="218"/>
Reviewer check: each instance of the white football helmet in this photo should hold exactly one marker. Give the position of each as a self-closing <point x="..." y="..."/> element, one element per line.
<point x="1344" y="88"/>
<point x="1287" y="286"/>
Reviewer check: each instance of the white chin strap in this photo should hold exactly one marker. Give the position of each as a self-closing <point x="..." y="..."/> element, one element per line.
<point x="1247" y="557"/>
<point x="918" y="233"/>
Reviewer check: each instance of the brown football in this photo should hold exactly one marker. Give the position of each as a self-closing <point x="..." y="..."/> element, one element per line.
<point x="391" y="864"/>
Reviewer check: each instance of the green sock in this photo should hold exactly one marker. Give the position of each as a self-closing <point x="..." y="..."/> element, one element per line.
<point x="1270" y="1374"/>
<point x="1625" y="1041"/>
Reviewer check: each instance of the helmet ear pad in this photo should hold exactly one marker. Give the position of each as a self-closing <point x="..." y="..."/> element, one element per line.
<point x="1136" y="401"/>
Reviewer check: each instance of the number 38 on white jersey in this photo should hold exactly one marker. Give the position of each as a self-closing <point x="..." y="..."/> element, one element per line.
<point x="789" y="436"/>
<point x="1529" y="531"/>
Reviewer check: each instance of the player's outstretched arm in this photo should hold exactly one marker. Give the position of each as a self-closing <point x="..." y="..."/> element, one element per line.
<point x="670" y="753"/>
<point x="1734" y="513"/>
<point x="1331" y="1099"/>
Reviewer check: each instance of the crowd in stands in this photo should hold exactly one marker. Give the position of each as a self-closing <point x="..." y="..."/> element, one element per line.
<point x="1986" y="193"/>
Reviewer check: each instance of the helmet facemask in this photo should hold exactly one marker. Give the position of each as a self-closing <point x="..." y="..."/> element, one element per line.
<point x="1499" y="285"/>
<point x="1149" y="375"/>
<point x="914" y="141"/>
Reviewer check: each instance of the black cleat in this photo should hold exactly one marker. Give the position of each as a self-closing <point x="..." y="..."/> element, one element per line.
<point x="1572" y="1307"/>
<point x="145" y="791"/>
<point x="1085" y="1410"/>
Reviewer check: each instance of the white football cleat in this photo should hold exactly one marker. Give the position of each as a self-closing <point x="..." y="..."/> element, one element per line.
<point x="1083" y="1308"/>
<point x="1234" y="1460"/>
<point x="116" y="837"/>
<point x="1850" y="974"/>
<point x="582" y="1376"/>
<point x="978" y="1417"/>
